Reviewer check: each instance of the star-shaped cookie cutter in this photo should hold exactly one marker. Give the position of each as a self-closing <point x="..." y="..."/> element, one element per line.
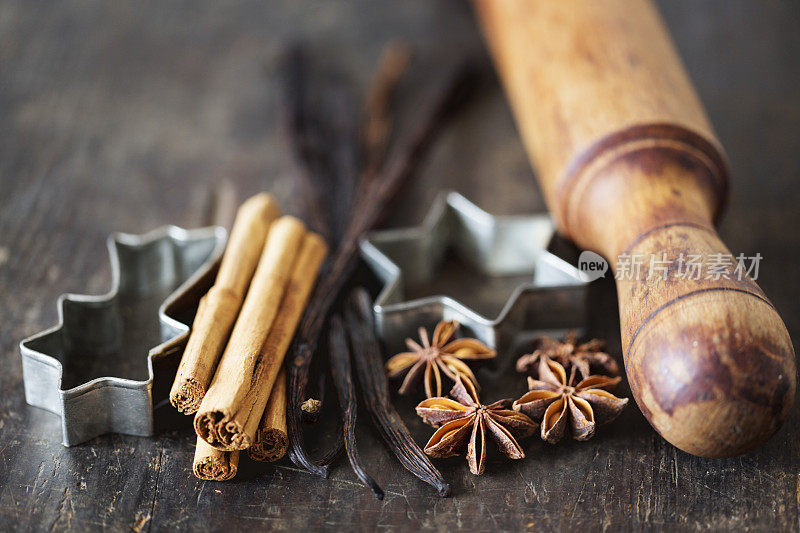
<point x="554" y="298"/>
<point x="104" y="331"/>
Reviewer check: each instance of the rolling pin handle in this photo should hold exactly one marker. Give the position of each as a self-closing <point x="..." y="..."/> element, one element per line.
<point x="629" y="164"/>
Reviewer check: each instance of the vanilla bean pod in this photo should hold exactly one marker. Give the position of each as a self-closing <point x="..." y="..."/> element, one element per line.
<point x="375" y="134"/>
<point x="308" y="139"/>
<point x="305" y="345"/>
<point x="329" y="456"/>
<point x="317" y="188"/>
<point x="338" y="108"/>
<point x="377" y="121"/>
<point x="375" y="390"/>
<point x="365" y="214"/>
<point x="322" y="139"/>
<point x="313" y="407"/>
<point x="345" y="152"/>
<point x="371" y="207"/>
<point x="342" y="377"/>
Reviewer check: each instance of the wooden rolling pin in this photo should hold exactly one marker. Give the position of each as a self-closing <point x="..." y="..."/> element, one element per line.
<point x="629" y="164"/>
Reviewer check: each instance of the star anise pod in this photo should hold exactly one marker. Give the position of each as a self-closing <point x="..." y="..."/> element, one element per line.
<point x="586" y="357"/>
<point x="466" y="423"/>
<point x="559" y="402"/>
<point x="432" y="359"/>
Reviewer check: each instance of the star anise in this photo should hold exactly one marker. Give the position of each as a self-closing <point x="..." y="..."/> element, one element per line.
<point x="465" y="423"/>
<point x="559" y="402"/>
<point x="431" y="359"/>
<point x="586" y="357"/>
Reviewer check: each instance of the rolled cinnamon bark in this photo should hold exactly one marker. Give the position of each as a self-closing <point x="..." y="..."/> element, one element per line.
<point x="307" y="265"/>
<point x="271" y="440"/>
<point x="212" y="464"/>
<point x="218" y="308"/>
<point x="238" y="417"/>
<point x="222" y="416"/>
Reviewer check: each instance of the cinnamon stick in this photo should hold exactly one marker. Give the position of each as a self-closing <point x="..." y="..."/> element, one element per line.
<point x="219" y="307"/>
<point x="271" y="441"/>
<point x="304" y="273"/>
<point x="211" y="464"/>
<point x="235" y="389"/>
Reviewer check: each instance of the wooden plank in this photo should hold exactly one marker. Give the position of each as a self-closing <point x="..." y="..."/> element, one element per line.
<point x="120" y="116"/>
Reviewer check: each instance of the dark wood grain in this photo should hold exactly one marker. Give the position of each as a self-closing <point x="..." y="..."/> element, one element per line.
<point x="122" y="115"/>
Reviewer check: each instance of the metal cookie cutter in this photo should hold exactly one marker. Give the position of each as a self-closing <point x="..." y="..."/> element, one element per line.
<point x="553" y="299"/>
<point x="68" y="369"/>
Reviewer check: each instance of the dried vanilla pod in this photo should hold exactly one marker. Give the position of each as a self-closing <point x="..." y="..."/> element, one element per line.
<point x="435" y="357"/>
<point x="559" y="402"/>
<point x="342" y="377"/>
<point x="360" y="326"/>
<point x="586" y="357"/>
<point x="465" y="423"/>
<point x="370" y="207"/>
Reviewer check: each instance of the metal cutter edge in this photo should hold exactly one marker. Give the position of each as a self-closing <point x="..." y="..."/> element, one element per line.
<point x="496" y="245"/>
<point x="126" y="405"/>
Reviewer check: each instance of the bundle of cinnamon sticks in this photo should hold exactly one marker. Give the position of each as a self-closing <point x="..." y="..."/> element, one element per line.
<point x="231" y="374"/>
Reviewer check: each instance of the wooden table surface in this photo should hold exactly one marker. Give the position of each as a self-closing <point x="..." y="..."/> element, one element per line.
<point x="123" y="115"/>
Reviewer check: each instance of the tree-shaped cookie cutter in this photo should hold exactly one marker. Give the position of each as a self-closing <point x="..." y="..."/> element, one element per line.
<point x="553" y="299"/>
<point x="166" y="271"/>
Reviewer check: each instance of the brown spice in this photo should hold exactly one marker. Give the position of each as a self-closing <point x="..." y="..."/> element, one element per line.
<point x="559" y="402"/>
<point x="211" y="464"/>
<point x="271" y="441"/>
<point x="466" y="422"/>
<point x="218" y="309"/>
<point x="586" y="357"/>
<point x="270" y="360"/>
<point x="220" y="421"/>
<point x="433" y="358"/>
